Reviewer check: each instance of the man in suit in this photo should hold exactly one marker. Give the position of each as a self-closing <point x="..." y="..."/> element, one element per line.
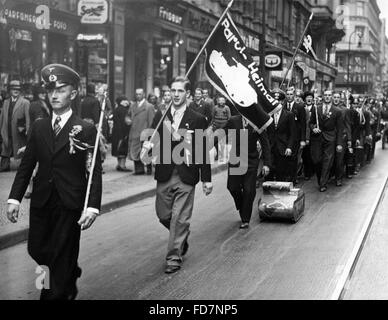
<point x="308" y="166"/>
<point x="57" y="200"/>
<point x="14" y="125"/>
<point x="341" y="158"/>
<point x="176" y="180"/>
<point x="326" y="138"/>
<point x="90" y="106"/>
<point x="243" y="187"/>
<point x="362" y="133"/>
<point x="282" y="137"/>
<point x="300" y="120"/>
<point x="142" y="113"/>
<point x="199" y="105"/>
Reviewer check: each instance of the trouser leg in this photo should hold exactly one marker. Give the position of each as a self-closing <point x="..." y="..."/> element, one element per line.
<point x="249" y="194"/>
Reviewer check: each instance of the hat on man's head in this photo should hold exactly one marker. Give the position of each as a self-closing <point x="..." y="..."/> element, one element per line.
<point x="279" y="92"/>
<point x="308" y="94"/>
<point x="15" y="85"/>
<point x="58" y="75"/>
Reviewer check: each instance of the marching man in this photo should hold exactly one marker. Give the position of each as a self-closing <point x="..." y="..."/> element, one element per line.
<point x="57" y="200"/>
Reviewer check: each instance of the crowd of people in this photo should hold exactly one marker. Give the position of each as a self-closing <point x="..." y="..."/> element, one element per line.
<point x="330" y="136"/>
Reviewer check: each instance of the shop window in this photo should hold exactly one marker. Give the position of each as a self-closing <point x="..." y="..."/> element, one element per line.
<point x="163" y="62"/>
<point x="21" y="55"/>
<point x="140" y="64"/>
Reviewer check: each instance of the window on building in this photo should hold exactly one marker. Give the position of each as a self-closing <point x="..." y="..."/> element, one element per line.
<point x="360" y="9"/>
<point x="359" y="64"/>
<point x="340" y="63"/>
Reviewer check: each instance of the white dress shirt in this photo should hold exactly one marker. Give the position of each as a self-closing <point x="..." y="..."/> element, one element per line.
<point x="177" y="115"/>
<point x="277" y="117"/>
<point x="64" y="118"/>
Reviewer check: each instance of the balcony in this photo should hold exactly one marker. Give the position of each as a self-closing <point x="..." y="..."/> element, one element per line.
<point x="323" y="22"/>
<point x="355" y="78"/>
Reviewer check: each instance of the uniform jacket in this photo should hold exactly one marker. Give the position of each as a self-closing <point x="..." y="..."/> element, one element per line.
<point x="57" y="167"/>
<point x="284" y="135"/>
<point x="300" y="121"/>
<point x="192" y="173"/>
<point x="236" y="123"/>
<point x="20" y="115"/>
<point x="346" y="117"/>
<point x="331" y="125"/>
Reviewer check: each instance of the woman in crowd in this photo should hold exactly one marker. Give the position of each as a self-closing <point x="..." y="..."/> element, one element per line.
<point x="121" y="125"/>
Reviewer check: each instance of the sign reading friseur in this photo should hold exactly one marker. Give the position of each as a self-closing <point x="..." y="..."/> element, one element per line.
<point x="93" y="11"/>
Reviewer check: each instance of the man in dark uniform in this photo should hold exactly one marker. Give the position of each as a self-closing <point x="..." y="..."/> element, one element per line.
<point x="282" y="137"/>
<point x="300" y="120"/>
<point x="57" y="200"/>
<point x="341" y="158"/>
<point x="362" y="133"/>
<point x="308" y="166"/>
<point x="176" y="181"/>
<point x="326" y="135"/>
<point x="243" y="187"/>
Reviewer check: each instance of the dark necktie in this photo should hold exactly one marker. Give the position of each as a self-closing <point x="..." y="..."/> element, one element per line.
<point x="57" y="127"/>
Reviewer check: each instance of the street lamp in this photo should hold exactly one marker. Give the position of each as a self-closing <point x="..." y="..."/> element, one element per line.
<point x="360" y="35"/>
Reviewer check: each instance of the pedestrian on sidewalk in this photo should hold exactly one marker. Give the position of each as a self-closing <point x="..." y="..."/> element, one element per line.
<point x="56" y="217"/>
<point x="14" y="125"/>
<point x="176" y="182"/>
<point x="121" y="126"/>
<point x="142" y="113"/>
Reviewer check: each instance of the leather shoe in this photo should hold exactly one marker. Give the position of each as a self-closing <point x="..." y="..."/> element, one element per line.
<point x="73" y="294"/>
<point x="244" y="225"/>
<point x="172" y="269"/>
<point x="6" y="169"/>
<point x="121" y="169"/>
<point x="323" y="189"/>
<point x="185" y="248"/>
<point x="338" y="183"/>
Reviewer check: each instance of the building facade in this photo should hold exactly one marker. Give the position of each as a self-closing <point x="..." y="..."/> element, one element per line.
<point x="359" y="60"/>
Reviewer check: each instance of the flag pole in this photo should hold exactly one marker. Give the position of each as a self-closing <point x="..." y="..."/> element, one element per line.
<point x="296" y="51"/>
<point x="96" y="146"/>
<point x="145" y="150"/>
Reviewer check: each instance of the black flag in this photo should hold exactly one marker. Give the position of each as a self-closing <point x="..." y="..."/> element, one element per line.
<point x="233" y="72"/>
<point x="307" y="46"/>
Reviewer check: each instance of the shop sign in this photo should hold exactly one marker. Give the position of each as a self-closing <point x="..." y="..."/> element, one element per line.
<point x="198" y="22"/>
<point x="193" y="45"/>
<point x="274" y="60"/>
<point x="93" y="11"/>
<point x="167" y="15"/>
<point x="28" y="15"/>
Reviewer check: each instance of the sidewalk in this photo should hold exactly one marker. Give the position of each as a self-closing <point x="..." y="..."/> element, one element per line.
<point x="119" y="189"/>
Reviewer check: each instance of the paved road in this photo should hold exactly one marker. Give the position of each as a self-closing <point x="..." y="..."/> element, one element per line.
<point x="370" y="277"/>
<point x="122" y="256"/>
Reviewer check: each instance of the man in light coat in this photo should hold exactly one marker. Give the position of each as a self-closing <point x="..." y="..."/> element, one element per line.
<point x="142" y="114"/>
<point x="14" y="125"/>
